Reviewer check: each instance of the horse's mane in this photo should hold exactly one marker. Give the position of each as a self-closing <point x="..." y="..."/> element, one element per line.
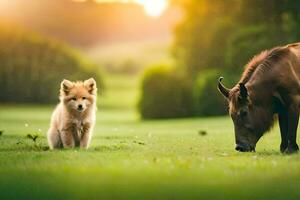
<point x="264" y="60"/>
<point x="260" y="62"/>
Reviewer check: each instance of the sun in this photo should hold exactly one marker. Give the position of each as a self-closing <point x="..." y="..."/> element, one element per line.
<point x="154" y="8"/>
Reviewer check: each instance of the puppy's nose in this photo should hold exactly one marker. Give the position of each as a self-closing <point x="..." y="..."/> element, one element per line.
<point x="80" y="106"/>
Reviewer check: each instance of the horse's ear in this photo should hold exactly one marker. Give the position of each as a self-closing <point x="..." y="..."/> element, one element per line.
<point x="243" y="91"/>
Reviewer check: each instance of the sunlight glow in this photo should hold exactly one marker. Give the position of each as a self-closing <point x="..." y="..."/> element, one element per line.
<point x="154" y="8"/>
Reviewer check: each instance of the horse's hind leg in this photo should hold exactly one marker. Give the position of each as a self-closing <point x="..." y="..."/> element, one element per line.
<point x="293" y="119"/>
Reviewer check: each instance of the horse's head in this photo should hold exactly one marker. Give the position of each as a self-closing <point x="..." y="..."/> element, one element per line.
<point x="250" y="120"/>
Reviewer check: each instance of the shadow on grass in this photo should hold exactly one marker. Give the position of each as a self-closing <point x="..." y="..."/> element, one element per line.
<point x="264" y="153"/>
<point x="25" y="148"/>
<point x="111" y="148"/>
<point x="276" y="153"/>
<point x="12" y="143"/>
<point x="270" y="153"/>
<point x="21" y="147"/>
<point x="114" y="137"/>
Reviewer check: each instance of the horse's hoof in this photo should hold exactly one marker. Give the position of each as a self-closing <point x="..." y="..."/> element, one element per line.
<point x="291" y="149"/>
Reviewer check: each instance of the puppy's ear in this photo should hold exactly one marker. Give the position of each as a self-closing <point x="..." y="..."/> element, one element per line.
<point x="65" y="86"/>
<point x="91" y="86"/>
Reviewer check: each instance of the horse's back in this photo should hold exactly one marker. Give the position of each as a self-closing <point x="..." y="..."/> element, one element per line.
<point x="292" y="72"/>
<point x="295" y="49"/>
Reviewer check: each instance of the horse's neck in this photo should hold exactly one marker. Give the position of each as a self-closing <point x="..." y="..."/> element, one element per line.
<point x="262" y="85"/>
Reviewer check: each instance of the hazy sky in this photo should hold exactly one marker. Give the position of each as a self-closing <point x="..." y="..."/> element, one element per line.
<point x="84" y="23"/>
<point x="153" y="8"/>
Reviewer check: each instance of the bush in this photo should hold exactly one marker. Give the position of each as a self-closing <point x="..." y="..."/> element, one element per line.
<point x="165" y="94"/>
<point x="207" y="99"/>
<point x="32" y="67"/>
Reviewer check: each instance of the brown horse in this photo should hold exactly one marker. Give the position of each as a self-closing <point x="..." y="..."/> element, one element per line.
<point x="270" y="86"/>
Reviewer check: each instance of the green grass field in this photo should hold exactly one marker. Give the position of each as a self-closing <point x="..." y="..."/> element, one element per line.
<point x="133" y="159"/>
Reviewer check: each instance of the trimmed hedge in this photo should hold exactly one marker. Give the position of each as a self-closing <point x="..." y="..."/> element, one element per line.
<point x="165" y="94"/>
<point x="32" y="67"/>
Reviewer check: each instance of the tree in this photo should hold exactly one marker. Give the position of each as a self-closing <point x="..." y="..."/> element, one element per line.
<point x="212" y="29"/>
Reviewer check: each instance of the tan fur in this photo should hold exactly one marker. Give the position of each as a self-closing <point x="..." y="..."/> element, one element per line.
<point x="71" y="127"/>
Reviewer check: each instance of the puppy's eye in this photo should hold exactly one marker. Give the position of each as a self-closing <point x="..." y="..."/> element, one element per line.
<point x="74" y="98"/>
<point x="83" y="98"/>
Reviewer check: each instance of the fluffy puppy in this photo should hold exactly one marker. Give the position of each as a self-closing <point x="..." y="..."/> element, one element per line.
<point x="74" y="117"/>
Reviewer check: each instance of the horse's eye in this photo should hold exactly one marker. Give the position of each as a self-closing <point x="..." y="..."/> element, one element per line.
<point x="74" y="98"/>
<point x="249" y="128"/>
<point x="243" y="113"/>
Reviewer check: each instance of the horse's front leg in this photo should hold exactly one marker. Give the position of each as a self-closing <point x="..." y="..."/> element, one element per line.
<point x="293" y="119"/>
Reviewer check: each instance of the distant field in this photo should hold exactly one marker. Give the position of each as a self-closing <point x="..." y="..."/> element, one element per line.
<point x="119" y="92"/>
<point x="136" y="55"/>
<point x="131" y="159"/>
